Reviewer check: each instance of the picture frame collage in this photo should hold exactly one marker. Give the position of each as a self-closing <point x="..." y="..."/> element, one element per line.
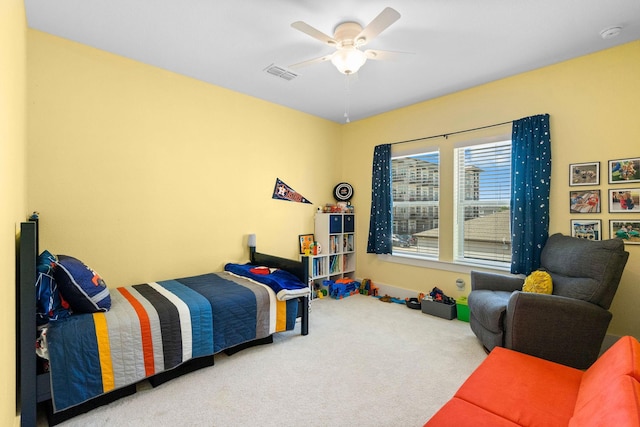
<point x="621" y="199"/>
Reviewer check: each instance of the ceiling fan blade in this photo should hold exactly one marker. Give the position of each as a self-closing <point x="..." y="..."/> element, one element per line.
<point x="316" y="34"/>
<point x="380" y="23"/>
<point x="384" y="55"/>
<point x="311" y="61"/>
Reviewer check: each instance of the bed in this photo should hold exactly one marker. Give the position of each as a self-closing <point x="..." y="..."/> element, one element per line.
<point x="151" y="331"/>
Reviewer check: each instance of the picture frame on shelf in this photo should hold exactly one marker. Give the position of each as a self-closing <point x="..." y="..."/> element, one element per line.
<point x="623" y="171"/>
<point x="584" y="201"/>
<point x="624" y="200"/>
<point x="590" y="229"/>
<point x="584" y="174"/>
<point x="627" y="230"/>
<point x="305" y="241"/>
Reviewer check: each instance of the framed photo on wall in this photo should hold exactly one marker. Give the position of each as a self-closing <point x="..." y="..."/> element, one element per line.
<point x="622" y="171"/>
<point x="305" y="243"/>
<point x="584" y="174"/>
<point x="590" y="229"/>
<point x="624" y="200"/>
<point x="627" y="230"/>
<point x="584" y="201"/>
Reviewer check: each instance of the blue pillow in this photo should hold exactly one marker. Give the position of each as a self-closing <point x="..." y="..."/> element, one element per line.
<point x="49" y="302"/>
<point x="82" y="287"/>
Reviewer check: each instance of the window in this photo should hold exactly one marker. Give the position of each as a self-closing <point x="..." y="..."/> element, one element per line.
<point x="470" y="226"/>
<point x="482" y="183"/>
<point x="415" y="190"/>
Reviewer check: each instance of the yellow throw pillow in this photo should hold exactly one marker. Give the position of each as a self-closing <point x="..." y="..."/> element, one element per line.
<point x="538" y="282"/>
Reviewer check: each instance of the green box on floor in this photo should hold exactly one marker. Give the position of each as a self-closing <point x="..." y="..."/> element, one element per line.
<point x="463" y="309"/>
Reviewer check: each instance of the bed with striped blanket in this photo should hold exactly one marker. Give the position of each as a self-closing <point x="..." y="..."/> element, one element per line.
<point x="155" y="327"/>
<point x="155" y="331"/>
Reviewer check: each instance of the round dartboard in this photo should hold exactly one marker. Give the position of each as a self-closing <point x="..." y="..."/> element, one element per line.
<point x="343" y="191"/>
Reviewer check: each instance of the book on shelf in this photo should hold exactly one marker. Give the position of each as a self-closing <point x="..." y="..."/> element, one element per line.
<point x="317" y="267"/>
<point x="334" y="268"/>
<point x="336" y="244"/>
<point x="348" y="243"/>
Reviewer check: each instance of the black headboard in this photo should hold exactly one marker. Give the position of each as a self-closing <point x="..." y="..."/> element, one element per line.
<point x="300" y="269"/>
<point x="26" y="322"/>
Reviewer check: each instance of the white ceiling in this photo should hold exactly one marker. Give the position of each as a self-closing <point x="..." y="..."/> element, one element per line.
<point x="455" y="44"/>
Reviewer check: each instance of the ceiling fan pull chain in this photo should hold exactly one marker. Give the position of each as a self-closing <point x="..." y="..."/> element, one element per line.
<point x="346" y="97"/>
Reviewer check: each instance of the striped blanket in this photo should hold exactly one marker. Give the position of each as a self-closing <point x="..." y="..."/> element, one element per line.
<point x="154" y="327"/>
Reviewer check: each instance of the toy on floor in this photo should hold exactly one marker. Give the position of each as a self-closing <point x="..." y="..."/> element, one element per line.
<point x="415" y="303"/>
<point x="388" y="298"/>
<point x="437" y="295"/>
<point x="342" y="288"/>
<point x="319" y="292"/>
<point x="368" y="288"/>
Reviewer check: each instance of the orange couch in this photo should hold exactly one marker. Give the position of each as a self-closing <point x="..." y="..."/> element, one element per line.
<point x="515" y="389"/>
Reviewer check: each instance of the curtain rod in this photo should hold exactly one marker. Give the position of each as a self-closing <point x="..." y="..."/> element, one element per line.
<point x="446" y="135"/>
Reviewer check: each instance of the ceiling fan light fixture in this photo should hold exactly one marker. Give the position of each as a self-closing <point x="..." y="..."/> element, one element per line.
<point x="348" y="60"/>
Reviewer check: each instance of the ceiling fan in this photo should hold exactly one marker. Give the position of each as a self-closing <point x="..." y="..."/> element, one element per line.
<point x="348" y="38"/>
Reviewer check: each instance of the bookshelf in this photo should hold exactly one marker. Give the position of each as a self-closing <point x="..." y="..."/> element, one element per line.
<point x="335" y="232"/>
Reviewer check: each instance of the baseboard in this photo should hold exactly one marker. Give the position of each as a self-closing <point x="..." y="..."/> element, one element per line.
<point x="394" y="291"/>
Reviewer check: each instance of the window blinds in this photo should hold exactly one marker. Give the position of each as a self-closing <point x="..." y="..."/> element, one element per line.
<point x="482" y="190"/>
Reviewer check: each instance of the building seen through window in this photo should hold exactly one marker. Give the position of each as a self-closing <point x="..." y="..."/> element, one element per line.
<point x="415" y="192"/>
<point x="481" y="211"/>
<point x="480" y="203"/>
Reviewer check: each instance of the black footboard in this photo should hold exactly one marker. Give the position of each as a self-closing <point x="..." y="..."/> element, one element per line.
<point x="300" y="269"/>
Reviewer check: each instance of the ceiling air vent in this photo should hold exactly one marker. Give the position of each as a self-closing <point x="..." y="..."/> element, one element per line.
<point x="280" y="72"/>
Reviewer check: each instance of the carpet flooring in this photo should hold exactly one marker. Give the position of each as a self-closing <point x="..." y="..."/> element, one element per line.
<point x="364" y="363"/>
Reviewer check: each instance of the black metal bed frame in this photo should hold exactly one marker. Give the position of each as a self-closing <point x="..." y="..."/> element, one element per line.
<point x="33" y="388"/>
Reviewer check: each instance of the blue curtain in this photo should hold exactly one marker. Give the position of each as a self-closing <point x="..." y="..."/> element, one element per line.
<point x="381" y="222"/>
<point x="530" y="185"/>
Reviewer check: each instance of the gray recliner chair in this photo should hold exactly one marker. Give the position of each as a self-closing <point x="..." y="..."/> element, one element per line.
<point x="567" y="327"/>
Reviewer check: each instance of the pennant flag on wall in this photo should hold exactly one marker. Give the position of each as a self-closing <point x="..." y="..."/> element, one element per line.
<point x="283" y="192"/>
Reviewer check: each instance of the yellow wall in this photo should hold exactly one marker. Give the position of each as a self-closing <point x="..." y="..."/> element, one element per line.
<point x="593" y="101"/>
<point x="12" y="186"/>
<point x="148" y="175"/>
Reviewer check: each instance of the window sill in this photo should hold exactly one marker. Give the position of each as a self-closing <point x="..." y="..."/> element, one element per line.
<point x="455" y="267"/>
